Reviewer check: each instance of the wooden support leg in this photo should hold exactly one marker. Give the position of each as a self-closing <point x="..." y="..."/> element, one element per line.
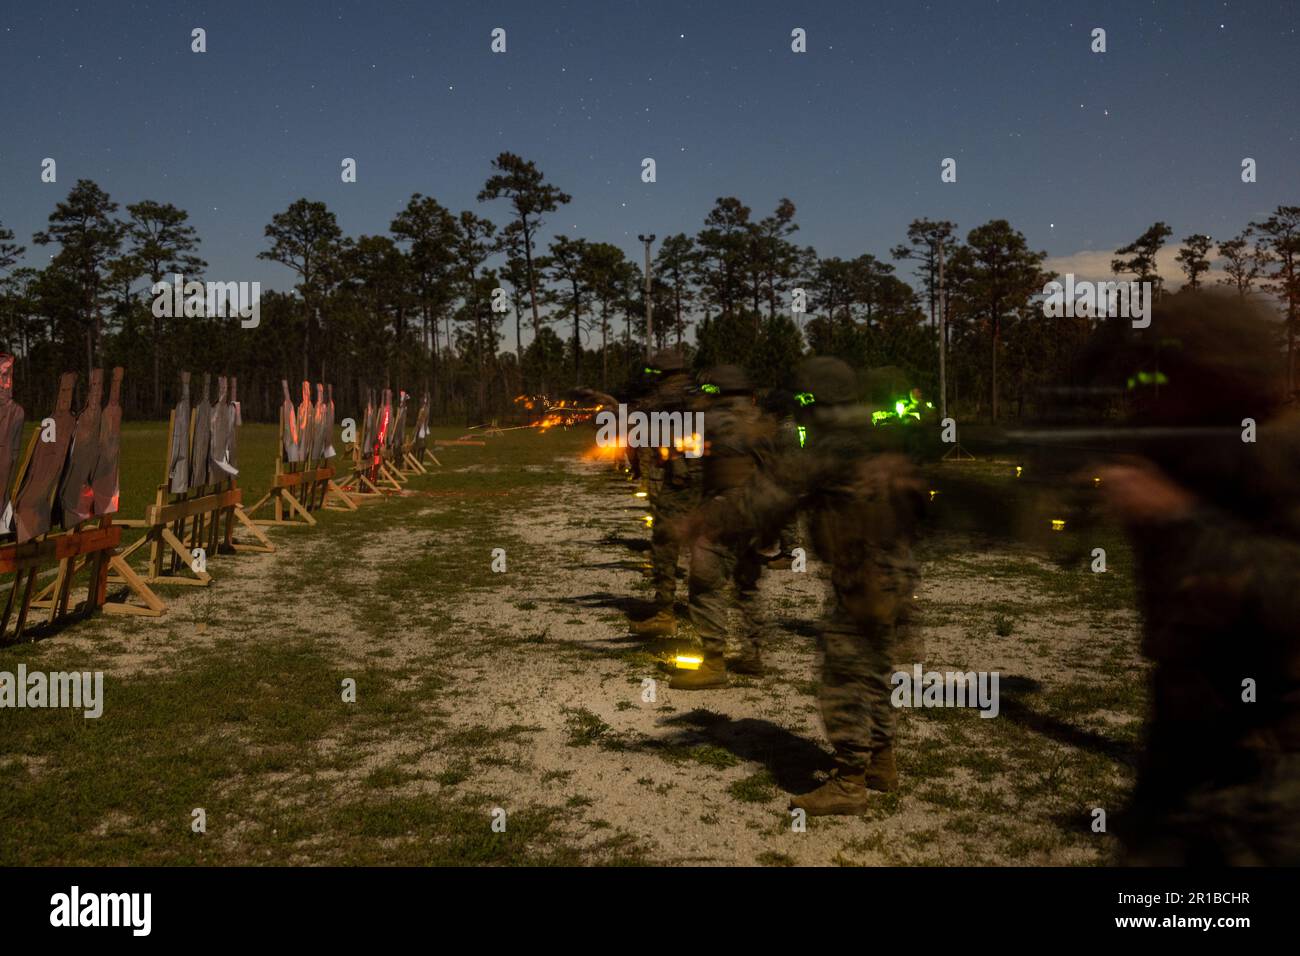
<point x="303" y="512"/>
<point x="98" y="591"/>
<point x="50" y="595"/>
<point x="260" y="501"/>
<point x="388" y="476"/>
<point x="186" y="559"/>
<point x="25" y="606"/>
<point x="266" y="547"/>
<point x="9" y="603"/>
<point x="153" y="605"/>
<point x="67" y="568"/>
<point x="155" y="554"/>
<point x="334" y="493"/>
<point x="356" y="485"/>
<point x="135" y="545"/>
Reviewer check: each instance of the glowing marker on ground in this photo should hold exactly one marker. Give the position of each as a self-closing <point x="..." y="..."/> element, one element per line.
<point x="688" y="662"/>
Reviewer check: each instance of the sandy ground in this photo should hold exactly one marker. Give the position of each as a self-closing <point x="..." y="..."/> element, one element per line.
<point x="704" y="777"/>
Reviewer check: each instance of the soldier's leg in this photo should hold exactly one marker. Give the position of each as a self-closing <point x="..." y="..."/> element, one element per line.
<point x="851" y="676"/>
<point x="858" y="708"/>
<point x="710" y="575"/>
<point x="886" y="609"/>
<point x="666" y="546"/>
<point x="662" y="623"/>
<point x="663" y="563"/>
<point x="755" y="628"/>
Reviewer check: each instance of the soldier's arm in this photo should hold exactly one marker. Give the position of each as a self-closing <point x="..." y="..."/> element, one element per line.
<point x="765" y="503"/>
<point x="1258" y="570"/>
<point x="597" y="398"/>
<point x="1255" y="569"/>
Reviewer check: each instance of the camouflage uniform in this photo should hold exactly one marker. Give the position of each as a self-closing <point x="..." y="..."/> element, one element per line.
<point x="675" y="492"/>
<point x="862" y="501"/>
<point x="674" y="489"/>
<point x="738" y="438"/>
<point x="1219" y="586"/>
<point x="863" y="511"/>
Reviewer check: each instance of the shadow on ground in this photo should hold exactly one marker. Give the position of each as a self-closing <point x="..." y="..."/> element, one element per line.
<point x="793" y="761"/>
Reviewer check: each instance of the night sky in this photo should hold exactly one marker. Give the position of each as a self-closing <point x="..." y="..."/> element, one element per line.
<point x="1080" y="151"/>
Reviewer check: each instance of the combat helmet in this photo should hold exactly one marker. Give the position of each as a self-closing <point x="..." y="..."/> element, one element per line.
<point x="1207" y="359"/>
<point x="824" y="380"/>
<point x="667" y="361"/>
<point x="725" y="380"/>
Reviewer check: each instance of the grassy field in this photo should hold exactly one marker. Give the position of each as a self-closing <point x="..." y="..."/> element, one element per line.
<point x="522" y="692"/>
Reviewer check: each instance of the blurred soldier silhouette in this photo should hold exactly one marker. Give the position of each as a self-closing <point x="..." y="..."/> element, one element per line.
<point x="862" y="500"/>
<point x="674" y="485"/>
<point x="738" y="439"/>
<point x="779" y="405"/>
<point x="1214" y="521"/>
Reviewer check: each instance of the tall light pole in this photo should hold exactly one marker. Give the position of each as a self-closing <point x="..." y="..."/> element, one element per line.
<point x="943" y="341"/>
<point x="649" y="304"/>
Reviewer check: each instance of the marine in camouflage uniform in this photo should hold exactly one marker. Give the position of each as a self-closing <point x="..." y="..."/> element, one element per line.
<point x="862" y="501"/>
<point x="1215" y="528"/>
<point x="738" y="438"/>
<point x="674" y="490"/>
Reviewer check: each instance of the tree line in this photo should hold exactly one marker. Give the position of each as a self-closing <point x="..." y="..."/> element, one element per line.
<point x="426" y="306"/>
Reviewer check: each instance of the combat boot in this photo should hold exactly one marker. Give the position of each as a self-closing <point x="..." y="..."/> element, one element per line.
<point x="844" y="794"/>
<point x="882" y="774"/>
<point x="710" y="674"/>
<point x="749" y="662"/>
<point x="781" y="561"/>
<point x="662" y="623"/>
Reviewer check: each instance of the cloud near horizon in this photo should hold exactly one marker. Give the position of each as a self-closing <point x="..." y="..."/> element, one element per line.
<point x="1094" y="266"/>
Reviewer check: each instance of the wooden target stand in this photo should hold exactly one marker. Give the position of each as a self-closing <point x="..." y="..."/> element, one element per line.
<point x="387" y="472"/>
<point x="370" y="481"/>
<point x="300" y="488"/>
<point x="415" y="453"/>
<point x="391" y="464"/>
<point x="359" y="485"/>
<point x="71" y="552"/>
<point x="91" y="545"/>
<point x="178" y="523"/>
<point x="410" y="464"/>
